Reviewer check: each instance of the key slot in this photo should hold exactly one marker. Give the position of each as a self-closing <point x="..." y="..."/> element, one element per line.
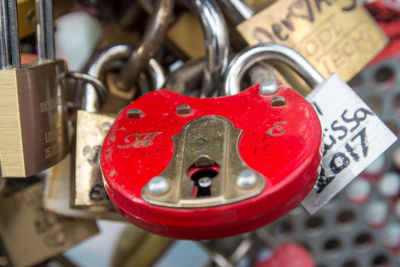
<point x="202" y="176"/>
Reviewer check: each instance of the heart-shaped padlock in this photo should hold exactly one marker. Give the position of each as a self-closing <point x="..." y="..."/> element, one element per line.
<point x="204" y="168"/>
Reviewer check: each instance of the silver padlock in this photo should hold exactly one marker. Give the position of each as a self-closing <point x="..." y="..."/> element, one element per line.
<point x="353" y="134"/>
<point x="33" y="126"/>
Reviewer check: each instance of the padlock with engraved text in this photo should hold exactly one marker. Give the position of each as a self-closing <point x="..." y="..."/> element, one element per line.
<point x="59" y="194"/>
<point x="87" y="192"/>
<point x="203" y="168"/>
<point x="334" y="36"/>
<point x="33" y="124"/>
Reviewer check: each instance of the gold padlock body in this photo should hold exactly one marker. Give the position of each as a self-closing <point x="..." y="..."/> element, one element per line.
<point x="335" y="37"/>
<point x="31" y="234"/>
<point x="33" y="122"/>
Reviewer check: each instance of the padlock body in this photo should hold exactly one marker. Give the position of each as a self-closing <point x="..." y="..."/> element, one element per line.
<point x="281" y="144"/>
<point x="33" y="124"/>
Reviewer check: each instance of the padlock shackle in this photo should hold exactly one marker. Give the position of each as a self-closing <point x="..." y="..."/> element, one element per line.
<point x="150" y="44"/>
<point x="216" y="43"/>
<point x="45" y="30"/>
<point x="248" y="57"/>
<point x="101" y="91"/>
<point x="102" y="63"/>
<point x="9" y="38"/>
<point x="237" y="11"/>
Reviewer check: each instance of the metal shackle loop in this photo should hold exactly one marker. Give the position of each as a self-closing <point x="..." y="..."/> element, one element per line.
<point x="9" y="38"/>
<point x="45" y="30"/>
<point x="102" y="62"/>
<point x="248" y="57"/>
<point x="216" y="43"/>
<point x="152" y="40"/>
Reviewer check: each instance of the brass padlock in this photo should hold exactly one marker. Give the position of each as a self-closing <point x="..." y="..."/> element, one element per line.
<point x="31" y="234"/>
<point x="335" y="37"/>
<point x="33" y="125"/>
<point x="60" y="193"/>
<point x="87" y="192"/>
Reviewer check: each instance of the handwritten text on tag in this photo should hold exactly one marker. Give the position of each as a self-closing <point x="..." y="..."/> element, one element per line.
<point x="353" y="136"/>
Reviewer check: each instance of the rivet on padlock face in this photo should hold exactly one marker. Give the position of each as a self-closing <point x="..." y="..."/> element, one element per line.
<point x="225" y="166"/>
<point x="33" y="124"/>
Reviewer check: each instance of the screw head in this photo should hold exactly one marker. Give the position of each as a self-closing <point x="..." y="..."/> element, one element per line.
<point x="246" y="179"/>
<point x="268" y="87"/>
<point x="278" y="101"/>
<point x="183" y="109"/>
<point x="134" y="113"/>
<point x="158" y="186"/>
<point x="205" y="182"/>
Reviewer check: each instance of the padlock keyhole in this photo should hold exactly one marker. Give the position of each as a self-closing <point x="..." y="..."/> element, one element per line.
<point x="202" y="177"/>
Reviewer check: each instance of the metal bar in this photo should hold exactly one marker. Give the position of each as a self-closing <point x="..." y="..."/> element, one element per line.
<point x="237" y="11"/>
<point x="248" y="57"/>
<point x="9" y="38"/>
<point x="216" y="43"/>
<point x="149" y="45"/>
<point x="45" y="30"/>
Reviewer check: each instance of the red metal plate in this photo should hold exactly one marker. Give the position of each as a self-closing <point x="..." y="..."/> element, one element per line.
<point x="282" y="143"/>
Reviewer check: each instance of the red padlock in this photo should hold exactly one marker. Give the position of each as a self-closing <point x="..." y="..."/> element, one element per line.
<point x="204" y="168"/>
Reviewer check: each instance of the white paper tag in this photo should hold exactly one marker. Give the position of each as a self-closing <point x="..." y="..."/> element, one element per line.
<point x="353" y="136"/>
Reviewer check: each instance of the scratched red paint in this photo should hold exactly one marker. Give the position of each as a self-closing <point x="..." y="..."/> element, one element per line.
<point x="289" y="161"/>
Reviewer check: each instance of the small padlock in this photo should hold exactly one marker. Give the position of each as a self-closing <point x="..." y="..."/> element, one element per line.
<point x="33" y="123"/>
<point x="87" y="186"/>
<point x="60" y="192"/>
<point x="206" y="168"/>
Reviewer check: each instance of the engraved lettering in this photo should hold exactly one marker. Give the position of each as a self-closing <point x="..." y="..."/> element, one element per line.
<point x="97" y="193"/>
<point x="276" y="130"/>
<point x="92" y="153"/>
<point x="53" y="135"/>
<point x="50" y="104"/>
<point x="139" y="140"/>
